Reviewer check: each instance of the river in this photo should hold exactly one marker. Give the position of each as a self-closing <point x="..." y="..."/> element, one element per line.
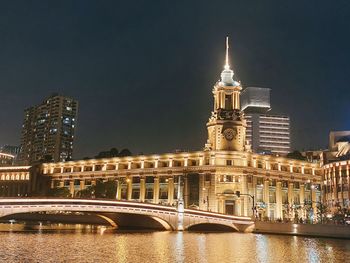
<point x="84" y="244"/>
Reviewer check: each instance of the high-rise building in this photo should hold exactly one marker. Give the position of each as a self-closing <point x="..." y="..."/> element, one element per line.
<point x="267" y="133"/>
<point x="48" y="130"/>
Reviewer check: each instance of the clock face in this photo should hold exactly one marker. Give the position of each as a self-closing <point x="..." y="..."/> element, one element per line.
<point x="229" y="134"/>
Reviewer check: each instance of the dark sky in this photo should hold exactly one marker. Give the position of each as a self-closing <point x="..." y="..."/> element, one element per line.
<point x="143" y="71"/>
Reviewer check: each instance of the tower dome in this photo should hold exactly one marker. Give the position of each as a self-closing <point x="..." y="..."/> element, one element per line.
<point x="227" y="73"/>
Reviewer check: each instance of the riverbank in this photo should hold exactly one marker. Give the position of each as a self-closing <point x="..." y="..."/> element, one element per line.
<point x="316" y="230"/>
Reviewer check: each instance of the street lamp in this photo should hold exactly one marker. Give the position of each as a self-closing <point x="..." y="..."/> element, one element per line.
<point x="238" y="194"/>
<point x="207" y="198"/>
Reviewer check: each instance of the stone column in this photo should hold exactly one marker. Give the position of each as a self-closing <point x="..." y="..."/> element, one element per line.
<point x="341" y="182"/>
<point x="348" y="182"/>
<point x="302" y="194"/>
<point x="238" y="207"/>
<point x="221" y="206"/>
<point x="170" y="191"/>
<point x="180" y="205"/>
<point x="52" y="184"/>
<point x="71" y="188"/>
<point x="186" y="191"/>
<point x="245" y="198"/>
<point x="254" y="188"/>
<point x="314" y="204"/>
<point x="142" y="189"/>
<point x="129" y="188"/>
<point x="302" y="198"/>
<point x="119" y="190"/>
<point x="82" y="184"/>
<point x="335" y="185"/>
<point x="61" y="184"/>
<point x="156" y="190"/>
<point x="279" y="211"/>
<point x="266" y="197"/>
<point x="290" y="194"/>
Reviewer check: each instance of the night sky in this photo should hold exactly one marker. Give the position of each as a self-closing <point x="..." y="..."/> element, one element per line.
<point x="143" y="71"/>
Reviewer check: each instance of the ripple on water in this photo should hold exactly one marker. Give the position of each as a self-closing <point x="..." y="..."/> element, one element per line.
<point x="167" y="247"/>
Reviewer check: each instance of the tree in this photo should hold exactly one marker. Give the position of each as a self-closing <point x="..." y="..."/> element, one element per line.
<point x="47" y="158"/>
<point x="125" y="152"/>
<point x="296" y="155"/>
<point x="105" y="189"/>
<point x="89" y="192"/>
<point x="113" y="152"/>
<point x="59" y="192"/>
<point x="111" y="189"/>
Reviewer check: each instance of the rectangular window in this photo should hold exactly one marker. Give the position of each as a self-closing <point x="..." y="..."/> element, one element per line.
<point x="135" y="193"/>
<point x="228" y="102"/>
<point x="207" y="177"/>
<point x="163" y="193"/>
<point x="149" y="193"/>
<point x="149" y="179"/>
<point x="229" y="178"/>
<point x="272" y="196"/>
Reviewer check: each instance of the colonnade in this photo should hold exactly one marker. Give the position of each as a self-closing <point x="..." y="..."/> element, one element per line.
<point x="125" y="188"/>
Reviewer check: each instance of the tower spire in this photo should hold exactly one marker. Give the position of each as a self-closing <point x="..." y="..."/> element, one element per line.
<point x="227" y="73"/>
<point x="227" y="66"/>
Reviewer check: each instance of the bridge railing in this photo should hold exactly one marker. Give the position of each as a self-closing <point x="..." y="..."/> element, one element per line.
<point x="113" y="202"/>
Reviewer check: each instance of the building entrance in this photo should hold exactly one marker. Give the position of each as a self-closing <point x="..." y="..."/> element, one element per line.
<point x="229" y="207"/>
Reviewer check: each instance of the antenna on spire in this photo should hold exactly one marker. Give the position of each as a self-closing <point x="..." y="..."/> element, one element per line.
<point x="227" y="66"/>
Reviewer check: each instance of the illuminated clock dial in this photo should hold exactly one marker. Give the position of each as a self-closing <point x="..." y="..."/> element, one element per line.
<point x="229" y="134"/>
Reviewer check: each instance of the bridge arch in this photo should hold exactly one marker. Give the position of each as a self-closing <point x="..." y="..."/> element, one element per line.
<point x="117" y="214"/>
<point x="116" y="220"/>
<point x="125" y="213"/>
<point x="206" y="226"/>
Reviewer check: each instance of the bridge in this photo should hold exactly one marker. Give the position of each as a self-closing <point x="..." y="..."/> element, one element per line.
<point x="125" y="213"/>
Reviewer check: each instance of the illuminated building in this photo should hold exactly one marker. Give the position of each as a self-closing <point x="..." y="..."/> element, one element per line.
<point x="18" y="180"/>
<point x="6" y="159"/>
<point x="48" y="130"/>
<point x="336" y="164"/>
<point x="255" y="100"/>
<point x="10" y="149"/>
<point x="266" y="132"/>
<point x="281" y="187"/>
<point x="211" y="178"/>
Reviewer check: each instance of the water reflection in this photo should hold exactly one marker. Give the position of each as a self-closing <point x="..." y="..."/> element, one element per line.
<point x="101" y="244"/>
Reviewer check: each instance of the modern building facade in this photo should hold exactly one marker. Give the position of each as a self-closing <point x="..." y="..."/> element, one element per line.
<point x="48" y="130"/>
<point x="266" y="133"/>
<point x="256" y="100"/>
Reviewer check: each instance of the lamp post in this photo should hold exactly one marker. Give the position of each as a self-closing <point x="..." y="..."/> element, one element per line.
<point x="238" y="194"/>
<point x="206" y="200"/>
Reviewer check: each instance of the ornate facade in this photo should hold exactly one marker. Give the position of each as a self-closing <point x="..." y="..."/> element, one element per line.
<point x="336" y="184"/>
<point x="281" y="187"/>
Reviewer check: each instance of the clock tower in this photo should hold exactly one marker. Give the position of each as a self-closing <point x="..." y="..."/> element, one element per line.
<point x="226" y="126"/>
